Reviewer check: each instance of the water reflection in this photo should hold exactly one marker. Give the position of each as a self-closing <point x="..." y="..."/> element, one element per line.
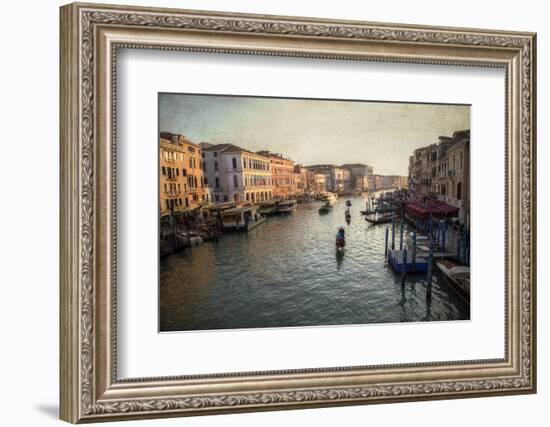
<point x="287" y="272"/>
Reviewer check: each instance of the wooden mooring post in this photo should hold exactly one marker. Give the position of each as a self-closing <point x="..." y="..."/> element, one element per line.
<point x="401" y="236"/>
<point x="430" y="267"/>
<point x="392" y="234"/>
<point x="413" y="261"/>
<point x="386" y="246"/>
<point x="404" y="267"/>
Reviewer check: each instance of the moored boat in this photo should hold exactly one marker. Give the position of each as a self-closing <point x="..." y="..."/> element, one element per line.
<point x="457" y="277"/>
<point x="286" y="206"/>
<point x="268" y="208"/>
<point x="383" y="219"/>
<point x="242" y="218"/>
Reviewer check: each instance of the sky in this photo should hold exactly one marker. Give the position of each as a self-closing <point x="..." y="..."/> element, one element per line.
<point x="309" y="131"/>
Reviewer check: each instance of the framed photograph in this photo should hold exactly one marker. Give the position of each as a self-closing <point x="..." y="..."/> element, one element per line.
<point x="266" y="212"/>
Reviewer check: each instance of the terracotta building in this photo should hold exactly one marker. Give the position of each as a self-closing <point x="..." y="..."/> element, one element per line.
<point x="301" y="179"/>
<point x="284" y="179"/>
<point x="181" y="180"/>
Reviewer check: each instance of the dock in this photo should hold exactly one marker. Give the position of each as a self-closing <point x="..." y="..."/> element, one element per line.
<point x="395" y="261"/>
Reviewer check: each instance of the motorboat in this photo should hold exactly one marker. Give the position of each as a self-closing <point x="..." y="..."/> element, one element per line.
<point x="457" y="277"/>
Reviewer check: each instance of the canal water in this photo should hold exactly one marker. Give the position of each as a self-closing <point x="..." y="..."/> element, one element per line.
<point x="286" y="272"/>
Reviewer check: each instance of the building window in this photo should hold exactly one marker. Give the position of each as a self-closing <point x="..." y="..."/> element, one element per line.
<point x="225" y="198"/>
<point x="184" y="172"/>
<point x="167" y="205"/>
<point x="235" y="180"/>
<point x="234" y="161"/>
<point x="215" y="166"/>
<point x="186" y="202"/>
<point x="204" y="166"/>
<point x="459" y="191"/>
<point x="177" y="172"/>
<point x="164" y="170"/>
<point x="217" y="198"/>
<point x="190" y="163"/>
<point x="217" y="182"/>
<point x="215" y="154"/>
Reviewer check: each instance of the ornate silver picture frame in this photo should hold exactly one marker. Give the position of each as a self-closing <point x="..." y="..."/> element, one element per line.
<point x="91" y="34"/>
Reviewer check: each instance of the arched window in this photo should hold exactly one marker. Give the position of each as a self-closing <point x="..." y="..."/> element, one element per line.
<point x="235" y="181"/>
<point x="234" y="163"/>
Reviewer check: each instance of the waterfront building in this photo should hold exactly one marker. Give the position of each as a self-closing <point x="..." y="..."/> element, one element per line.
<point x="283" y="177"/>
<point x="358" y="170"/>
<point x="442" y="171"/>
<point x="340" y="179"/>
<point x="236" y="174"/>
<point x="326" y="171"/>
<point x="317" y="182"/>
<point x="362" y="183"/>
<point x="423" y="168"/>
<point x="452" y="184"/>
<point x="181" y="179"/>
<point x="301" y="179"/>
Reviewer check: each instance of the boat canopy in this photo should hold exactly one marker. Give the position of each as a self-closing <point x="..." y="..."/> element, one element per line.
<point x="238" y="211"/>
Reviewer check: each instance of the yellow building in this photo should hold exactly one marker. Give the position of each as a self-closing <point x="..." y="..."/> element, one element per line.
<point x="181" y="180"/>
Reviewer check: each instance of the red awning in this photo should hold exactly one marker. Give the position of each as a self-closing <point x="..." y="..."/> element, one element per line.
<point x="434" y="208"/>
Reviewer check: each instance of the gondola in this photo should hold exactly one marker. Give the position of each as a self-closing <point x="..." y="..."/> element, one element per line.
<point x="380" y="220"/>
<point x="348" y="202"/>
<point x="326" y="208"/>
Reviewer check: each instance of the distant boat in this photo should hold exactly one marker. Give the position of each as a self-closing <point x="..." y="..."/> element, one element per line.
<point x="328" y="197"/>
<point x="348" y="202"/>
<point x="286" y="207"/>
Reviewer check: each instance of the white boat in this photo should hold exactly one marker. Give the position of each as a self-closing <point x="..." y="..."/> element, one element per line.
<point x="286" y="206"/>
<point x="457" y="277"/>
<point x="329" y="197"/>
<point x="242" y="218"/>
<point x="268" y="208"/>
